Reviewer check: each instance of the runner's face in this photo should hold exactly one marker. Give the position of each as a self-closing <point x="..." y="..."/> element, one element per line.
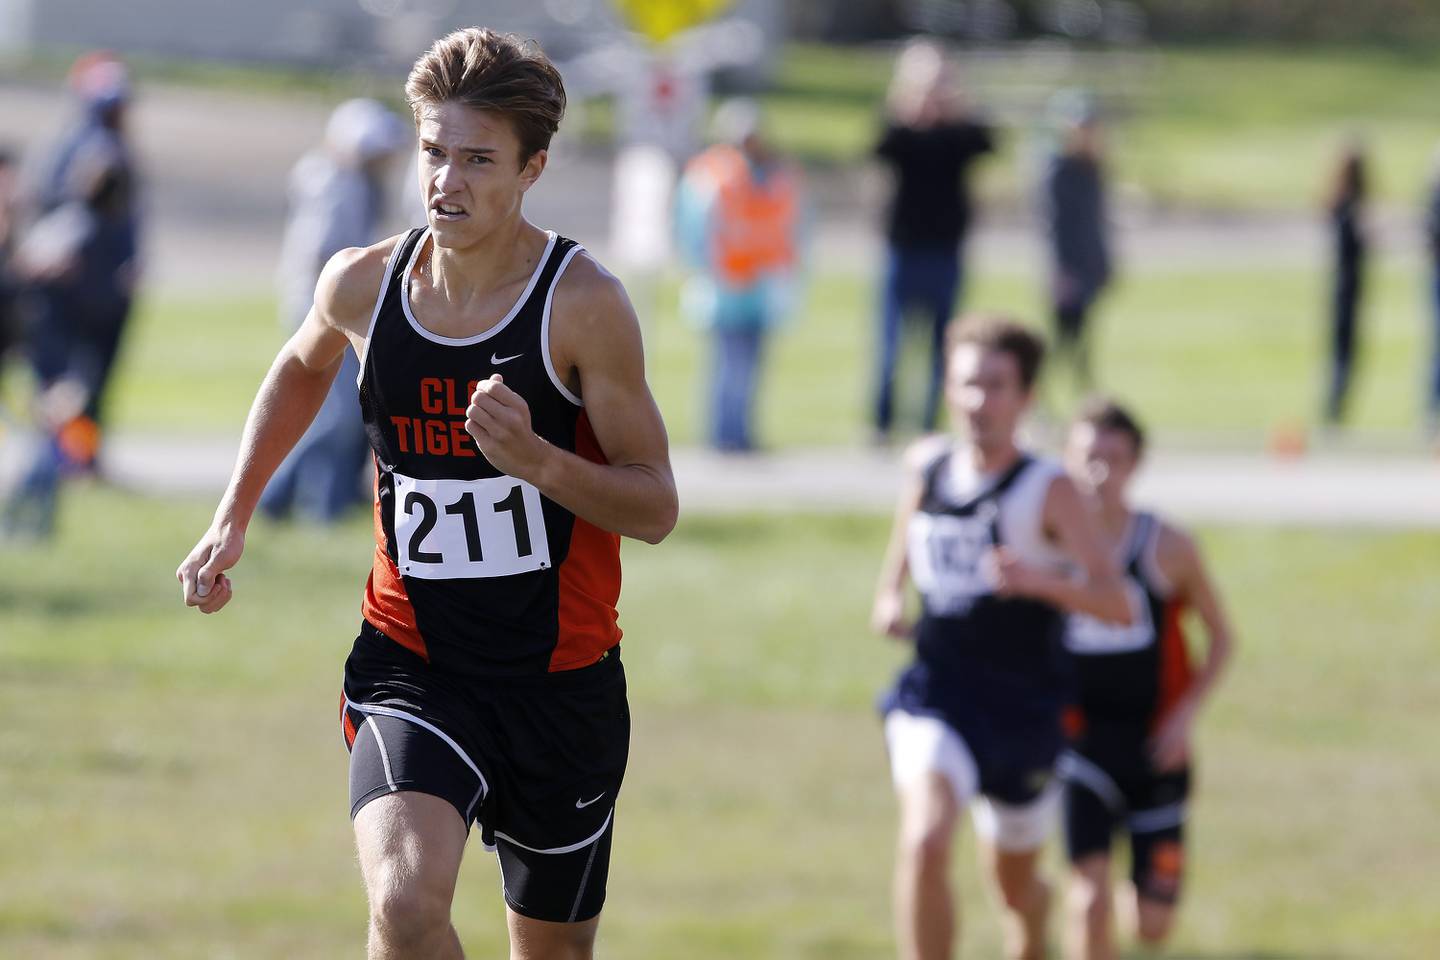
<point x="471" y="177"/>
<point x="984" y="392"/>
<point x="1100" y="461"/>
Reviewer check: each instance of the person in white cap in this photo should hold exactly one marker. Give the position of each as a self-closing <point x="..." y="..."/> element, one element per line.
<point x="338" y="195"/>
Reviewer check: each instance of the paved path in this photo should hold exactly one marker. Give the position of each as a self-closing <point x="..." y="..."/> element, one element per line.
<point x="1198" y="487"/>
<point x="1401" y="492"/>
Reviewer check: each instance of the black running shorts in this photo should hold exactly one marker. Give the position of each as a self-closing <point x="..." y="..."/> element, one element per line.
<point x="537" y="761"/>
<point x="1103" y="796"/>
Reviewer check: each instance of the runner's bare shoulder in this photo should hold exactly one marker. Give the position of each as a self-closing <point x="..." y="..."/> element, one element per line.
<point x="590" y="300"/>
<point x="349" y="284"/>
<point x="924" y="451"/>
<point x="593" y="324"/>
<point x="1176" y="553"/>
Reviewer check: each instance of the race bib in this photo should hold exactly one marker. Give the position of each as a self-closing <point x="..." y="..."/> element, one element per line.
<point x="946" y="560"/>
<point x="1085" y="634"/>
<point x="468" y="529"/>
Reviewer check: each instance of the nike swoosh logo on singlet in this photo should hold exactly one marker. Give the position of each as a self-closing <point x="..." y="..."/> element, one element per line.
<point x="579" y="805"/>
<point x="499" y="360"/>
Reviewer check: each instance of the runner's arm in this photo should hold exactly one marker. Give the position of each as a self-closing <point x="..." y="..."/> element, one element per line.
<point x="288" y="399"/>
<point x="1180" y="561"/>
<point x="596" y="339"/>
<point x="887" y="616"/>
<point x="1096" y="589"/>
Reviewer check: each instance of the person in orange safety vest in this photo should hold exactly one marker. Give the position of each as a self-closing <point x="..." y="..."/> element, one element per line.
<point x="739" y="224"/>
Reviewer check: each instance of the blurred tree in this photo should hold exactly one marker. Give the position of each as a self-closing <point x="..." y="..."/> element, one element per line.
<point x="1122" y="21"/>
<point x="1407" y="21"/>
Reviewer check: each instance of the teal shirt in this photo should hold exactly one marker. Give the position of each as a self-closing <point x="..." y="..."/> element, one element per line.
<point x="707" y="301"/>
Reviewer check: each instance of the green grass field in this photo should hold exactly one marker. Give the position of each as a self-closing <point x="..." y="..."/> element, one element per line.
<point x="175" y="784"/>
<point x="1211" y="356"/>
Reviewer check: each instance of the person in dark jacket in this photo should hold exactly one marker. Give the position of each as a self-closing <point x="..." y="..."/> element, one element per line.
<point x="9" y="283"/>
<point x="929" y="144"/>
<point x="1432" y="372"/>
<point x="76" y="266"/>
<point x="1076" y="218"/>
<point x="87" y="205"/>
<point x="1346" y="210"/>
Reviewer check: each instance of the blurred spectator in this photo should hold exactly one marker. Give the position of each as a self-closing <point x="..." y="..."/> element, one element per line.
<point x="1077" y="221"/>
<point x="67" y="445"/>
<point x="1346" y="208"/>
<point x="1432" y="374"/>
<point x="80" y="256"/>
<point x="76" y="265"/>
<point x="9" y="284"/>
<point x="929" y="143"/>
<point x="738" y="217"/>
<point x="338" y="194"/>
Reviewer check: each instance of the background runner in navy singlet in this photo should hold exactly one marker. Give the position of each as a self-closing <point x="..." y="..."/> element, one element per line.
<point x="998" y="545"/>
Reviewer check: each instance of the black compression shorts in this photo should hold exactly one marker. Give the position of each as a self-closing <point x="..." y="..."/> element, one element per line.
<point x="1103" y="796"/>
<point x="536" y="761"/>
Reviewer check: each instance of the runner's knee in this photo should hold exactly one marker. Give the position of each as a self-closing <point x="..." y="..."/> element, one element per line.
<point x="1154" y="922"/>
<point x="406" y="913"/>
<point x="1018" y="881"/>
<point x="926" y="849"/>
<point x="927" y="831"/>
<point x="1089" y="900"/>
<point x="1019" y="894"/>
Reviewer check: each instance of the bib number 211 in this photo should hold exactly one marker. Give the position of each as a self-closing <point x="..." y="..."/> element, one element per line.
<point x="458" y="529"/>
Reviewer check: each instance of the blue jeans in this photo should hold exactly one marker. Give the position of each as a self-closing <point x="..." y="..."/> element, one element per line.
<point x="75" y="335"/>
<point x="735" y="374"/>
<point x="321" y="476"/>
<point x="31" y="507"/>
<point x="927" y="279"/>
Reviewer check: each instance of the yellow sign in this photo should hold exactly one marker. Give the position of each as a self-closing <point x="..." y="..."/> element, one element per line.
<point x="659" y="20"/>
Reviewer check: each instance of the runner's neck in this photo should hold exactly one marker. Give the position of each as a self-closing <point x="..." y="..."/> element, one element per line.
<point x="994" y="460"/>
<point x="464" y="275"/>
<point x="1114" y="517"/>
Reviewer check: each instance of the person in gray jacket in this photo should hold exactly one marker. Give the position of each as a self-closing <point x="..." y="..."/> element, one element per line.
<point x="1075" y="214"/>
<point x="337" y="200"/>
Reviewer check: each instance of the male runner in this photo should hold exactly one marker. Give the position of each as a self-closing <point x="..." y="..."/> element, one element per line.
<point x="502" y="387"/>
<point x="1128" y="767"/>
<point x="997" y="542"/>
